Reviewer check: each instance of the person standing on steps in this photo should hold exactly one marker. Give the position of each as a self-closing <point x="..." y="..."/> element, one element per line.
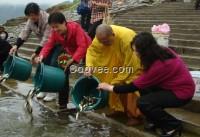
<point x="98" y="12"/>
<point x="84" y="10"/>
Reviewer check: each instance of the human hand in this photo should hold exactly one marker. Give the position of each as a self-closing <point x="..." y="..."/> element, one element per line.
<point x="13" y="50"/>
<point x="88" y="71"/>
<point x="106" y="87"/>
<point x="33" y="56"/>
<point x="38" y="59"/>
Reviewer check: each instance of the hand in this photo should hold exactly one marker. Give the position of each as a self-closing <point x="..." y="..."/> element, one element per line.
<point x="68" y="64"/>
<point x="88" y="71"/>
<point x="13" y="50"/>
<point x="106" y="87"/>
<point x="33" y="56"/>
<point x="38" y="59"/>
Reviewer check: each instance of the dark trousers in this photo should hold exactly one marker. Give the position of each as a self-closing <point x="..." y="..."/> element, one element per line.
<point x="85" y="21"/>
<point x="197" y="4"/>
<point x="92" y="29"/>
<point x="4" y="52"/>
<point x="152" y="104"/>
<point x="51" y="60"/>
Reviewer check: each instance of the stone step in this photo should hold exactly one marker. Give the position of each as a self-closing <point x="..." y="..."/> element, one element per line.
<point x="133" y="12"/>
<point x="173" y="30"/>
<point x="194" y="105"/>
<point x="185" y="42"/>
<point x="191" y="61"/>
<point x="26" y="51"/>
<point x="130" y="20"/>
<point x="149" y="25"/>
<point x="30" y="45"/>
<point x="185" y="36"/>
<point x="127" y="16"/>
<point x="183" y="50"/>
<point x="33" y="40"/>
<point x="164" y="18"/>
<point x="191" y="120"/>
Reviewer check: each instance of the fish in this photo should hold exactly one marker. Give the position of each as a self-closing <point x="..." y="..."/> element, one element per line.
<point x="28" y="103"/>
<point x="85" y="103"/>
<point x="4" y="77"/>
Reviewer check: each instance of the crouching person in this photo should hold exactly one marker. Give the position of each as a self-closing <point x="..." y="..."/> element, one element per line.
<point x="4" y="52"/>
<point x="165" y="83"/>
<point x="72" y="40"/>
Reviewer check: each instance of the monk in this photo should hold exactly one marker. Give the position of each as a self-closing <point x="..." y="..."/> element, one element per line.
<point x="111" y="49"/>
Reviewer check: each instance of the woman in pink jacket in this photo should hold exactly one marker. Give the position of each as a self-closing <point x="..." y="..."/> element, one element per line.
<point x="165" y="83"/>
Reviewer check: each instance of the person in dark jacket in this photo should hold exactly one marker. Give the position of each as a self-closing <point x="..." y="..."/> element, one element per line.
<point x="3" y="33"/>
<point x="4" y="51"/>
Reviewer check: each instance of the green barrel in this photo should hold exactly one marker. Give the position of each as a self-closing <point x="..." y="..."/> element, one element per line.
<point x="87" y="86"/>
<point x="49" y="79"/>
<point x="17" y="68"/>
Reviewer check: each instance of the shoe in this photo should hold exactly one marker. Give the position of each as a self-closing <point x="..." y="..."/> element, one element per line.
<point x="134" y="121"/>
<point x="115" y="114"/>
<point x="50" y="97"/>
<point x="41" y="95"/>
<point x="149" y="126"/>
<point x="173" y="133"/>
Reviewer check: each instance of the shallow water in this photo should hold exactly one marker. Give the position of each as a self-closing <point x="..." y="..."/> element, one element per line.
<point x="15" y="122"/>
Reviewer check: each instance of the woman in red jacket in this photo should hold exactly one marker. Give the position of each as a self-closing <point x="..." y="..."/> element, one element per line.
<point x="165" y="83"/>
<point x="72" y="39"/>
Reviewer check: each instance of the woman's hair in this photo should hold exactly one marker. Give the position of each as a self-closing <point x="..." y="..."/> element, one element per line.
<point x="32" y="8"/>
<point x="149" y="51"/>
<point x="56" y="17"/>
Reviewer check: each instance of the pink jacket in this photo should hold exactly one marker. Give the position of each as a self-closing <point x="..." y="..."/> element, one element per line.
<point x="75" y="44"/>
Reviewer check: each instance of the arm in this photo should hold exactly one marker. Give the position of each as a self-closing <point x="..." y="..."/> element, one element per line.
<point x="82" y="43"/>
<point x="23" y="36"/>
<point x="48" y="46"/>
<point x="119" y="89"/>
<point x="44" y="39"/>
<point x="156" y="74"/>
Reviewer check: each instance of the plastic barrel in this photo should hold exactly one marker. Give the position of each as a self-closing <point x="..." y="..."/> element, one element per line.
<point x="49" y="79"/>
<point x="86" y="86"/>
<point x="17" y="68"/>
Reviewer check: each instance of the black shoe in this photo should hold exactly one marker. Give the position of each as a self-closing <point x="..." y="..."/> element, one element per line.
<point x="174" y="132"/>
<point x="149" y="126"/>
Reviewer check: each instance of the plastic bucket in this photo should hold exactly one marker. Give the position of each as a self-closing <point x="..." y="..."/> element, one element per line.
<point x="49" y="79"/>
<point x="162" y="39"/>
<point x="86" y="86"/>
<point x="17" y="68"/>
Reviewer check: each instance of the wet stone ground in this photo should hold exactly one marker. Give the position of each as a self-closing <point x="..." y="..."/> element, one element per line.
<point x="15" y="122"/>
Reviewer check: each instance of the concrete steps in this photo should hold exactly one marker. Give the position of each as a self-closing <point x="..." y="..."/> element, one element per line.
<point x="186" y="50"/>
<point x="183" y="20"/>
<point x="191" y="121"/>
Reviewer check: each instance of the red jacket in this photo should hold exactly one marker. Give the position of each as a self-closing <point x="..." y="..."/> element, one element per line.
<point x="75" y="44"/>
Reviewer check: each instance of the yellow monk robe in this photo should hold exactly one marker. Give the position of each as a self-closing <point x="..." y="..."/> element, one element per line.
<point x="119" y="54"/>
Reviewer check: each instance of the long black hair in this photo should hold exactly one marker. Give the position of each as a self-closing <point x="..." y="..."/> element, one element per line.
<point x="149" y="51"/>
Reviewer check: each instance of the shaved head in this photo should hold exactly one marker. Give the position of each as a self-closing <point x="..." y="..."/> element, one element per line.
<point x="104" y="29"/>
<point x="104" y="34"/>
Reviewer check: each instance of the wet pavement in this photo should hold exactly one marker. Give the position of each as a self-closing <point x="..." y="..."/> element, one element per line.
<point x="15" y="122"/>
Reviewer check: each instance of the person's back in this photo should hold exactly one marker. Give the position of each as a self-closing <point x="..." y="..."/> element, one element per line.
<point x="4" y="52"/>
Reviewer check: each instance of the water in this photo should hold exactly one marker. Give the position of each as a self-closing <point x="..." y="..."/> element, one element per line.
<point x="15" y="122"/>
